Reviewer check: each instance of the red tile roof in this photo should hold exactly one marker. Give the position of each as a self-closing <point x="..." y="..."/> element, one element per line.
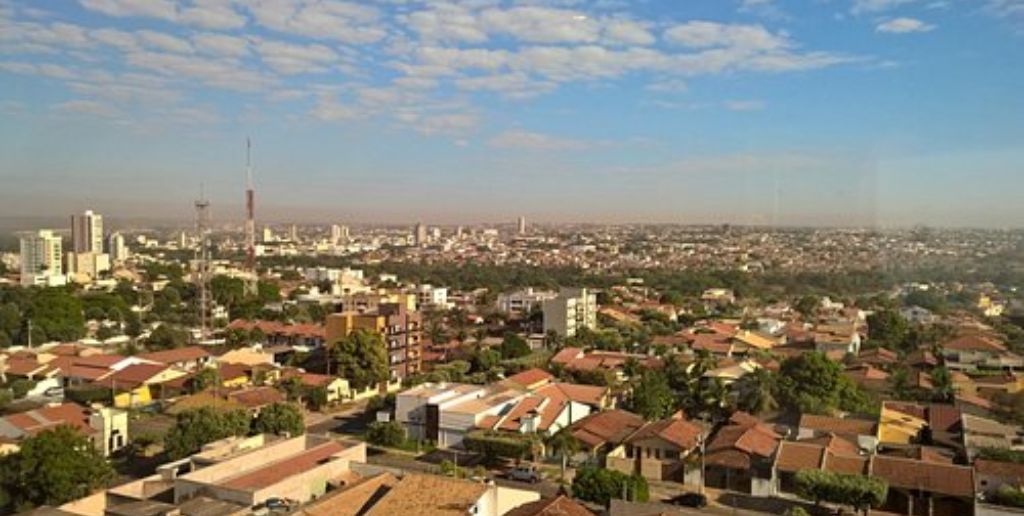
<point x="974" y="343"/>
<point x="794" y="456"/>
<point x="1007" y="470"/>
<point x="608" y="427"/>
<point x="47" y="418"/>
<point x="175" y="356"/>
<point x="531" y="377"/>
<point x="559" y="506"/>
<point x="257" y="397"/>
<point x="683" y="434"/>
<point x="841" y="426"/>
<point x="134" y="375"/>
<point x="275" y="472"/>
<point x="947" y="479"/>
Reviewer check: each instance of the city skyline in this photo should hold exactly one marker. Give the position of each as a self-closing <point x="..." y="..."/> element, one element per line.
<point x="848" y="112"/>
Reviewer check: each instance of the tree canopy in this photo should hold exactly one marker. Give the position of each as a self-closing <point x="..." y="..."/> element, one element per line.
<point x="194" y="428"/>
<point x="362" y="359"/>
<point x="51" y="468"/>
<point x="652" y="397"/>
<point x="280" y="419"/>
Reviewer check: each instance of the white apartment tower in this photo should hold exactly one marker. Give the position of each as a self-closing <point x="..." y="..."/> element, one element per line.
<point x="41" y="258"/>
<point x="87" y="233"/>
<point x="574" y="308"/>
<point x="421" y="234"/>
<point x="521" y="225"/>
<point x="117" y="248"/>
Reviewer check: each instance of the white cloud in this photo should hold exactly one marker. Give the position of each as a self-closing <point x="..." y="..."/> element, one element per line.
<point x="164" y="9"/>
<point x="542" y="24"/>
<point x="903" y="26"/>
<point x="87" y="107"/>
<point x="526" y="140"/>
<point x="628" y="32"/>
<point x="668" y="86"/>
<point x="161" y="41"/>
<point x="291" y="59"/>
<point x="876" y="6"/>
<point x="212" y="14"/>
<point x="705" y="34"/>
<point x="348" y="22"/>
<point x="515" y="85"/>
<point x="446" y="123"/>
<point x="116" y="38"/>
<point x="221" y="44"/>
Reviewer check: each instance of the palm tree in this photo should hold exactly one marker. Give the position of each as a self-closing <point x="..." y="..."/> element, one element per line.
<point x="754" y="392"/>
<point x="563" y="444"/>
<point x="552" y="340"/>
<point x="713" y="398"/>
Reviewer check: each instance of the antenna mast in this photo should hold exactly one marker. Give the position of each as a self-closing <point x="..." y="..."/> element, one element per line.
<point x="250" y="219"/>
<point x="203" y="263"/>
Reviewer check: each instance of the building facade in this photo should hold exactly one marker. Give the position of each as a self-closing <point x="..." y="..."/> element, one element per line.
<point x="41" y="259"/>
<point x="573" y="309"/>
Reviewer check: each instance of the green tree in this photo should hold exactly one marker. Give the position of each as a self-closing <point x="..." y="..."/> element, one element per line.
<point x="280" y="419"/>
<point x="513" y="346"/>
<point x="52" y="468"/>
<point x="887" y="328"/>
<point x="203" y="379"/>
<point x="599" y="485"/>
<point x="564" y="445"/>
<point x="857" y="491"/>
<point x="484" y="360"/>
<point x="807" y="306"/>
<point x="362" y="359"/>
<point x="810" y="382"/>
<point x="755" y="392"/>
<point x="389" y="433"/>
<point x="167" y="336"/>
<point x="652" y="397"/>
<point x="195" y="428"/>
<point x="942" y="383"/>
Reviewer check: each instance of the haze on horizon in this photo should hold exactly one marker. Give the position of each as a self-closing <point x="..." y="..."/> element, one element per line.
<point x="845" y="112"/>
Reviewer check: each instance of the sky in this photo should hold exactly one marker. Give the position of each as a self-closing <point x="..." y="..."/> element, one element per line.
<point x="805" y="112"/>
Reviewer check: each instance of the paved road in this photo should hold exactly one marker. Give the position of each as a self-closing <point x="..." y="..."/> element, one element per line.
<point x="348" y="419"/>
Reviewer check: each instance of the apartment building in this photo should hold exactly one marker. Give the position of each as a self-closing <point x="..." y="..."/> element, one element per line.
<point x="571" y="310"/>
<point x="400" y="326"/>
<point x="523" y="301"/>
<point x="41" y="259"/>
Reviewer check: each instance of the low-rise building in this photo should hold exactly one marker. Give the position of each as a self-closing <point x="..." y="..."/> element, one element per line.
<point x="106" y="427"/>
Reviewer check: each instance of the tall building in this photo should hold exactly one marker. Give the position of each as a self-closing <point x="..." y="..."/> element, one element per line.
<point x="87" y="233"/>
<point x="521" y="225"/>
<point x="398" y="325"/>
<point x="116" y="247"/>
<point x="573" y="309"/>
<point x="421" y="234"/>
<point x="41" y="258"/>
<point x="293" y="233"/>
<point x="339" y="234"/>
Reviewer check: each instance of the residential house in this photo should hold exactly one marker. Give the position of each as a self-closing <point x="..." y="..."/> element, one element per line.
<point x="603" y="431"/>
<point x="977" y="351"/>
<point x="924" y="487"/>
<point x="337" y="389"/>
<point x="980" y="432"/>
<point x="186" y="359"/>
<point x="560" y="505"/>
<point x="304" y="336"/>
<point x="837" y="339"/>
<point x="903" y="423"/>
<point x="659" y="450"/>
<point x="139" y="384"/>
<point x="990" y="475"/>
<point x="835" y="455"/>
<point x="862" y="432"/>
<point x="106" y="427"/>
<point x="741" y="455"/>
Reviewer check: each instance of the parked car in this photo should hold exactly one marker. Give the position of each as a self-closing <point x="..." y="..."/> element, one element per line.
<point x="524" y="474"/>
<point x="695" y="500"/>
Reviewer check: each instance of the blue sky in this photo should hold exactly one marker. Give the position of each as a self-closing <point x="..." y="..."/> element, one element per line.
<point x="892" y="112"/>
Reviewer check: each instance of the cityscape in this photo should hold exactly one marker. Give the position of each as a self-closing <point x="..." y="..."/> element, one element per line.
<point x="511" y="257"/>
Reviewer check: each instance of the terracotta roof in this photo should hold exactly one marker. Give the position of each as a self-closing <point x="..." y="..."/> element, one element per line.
<point x="25" y="366"/>
<point x="279" y="328"/>
<point x="231" y="371"/>
<point x="586" y="394"/>
<point x="974" y="343"/>
<point x="607" y="427"/>
<point x="846" y="463"/>
<point x="879" y="356"/>
<point x="135" y="374"/>
<point x="174" y="356"/>
<point x="531" y="377"/>
<point x="257" y="397"/>
<point x="566" y="355"/>
<point x="835" y="444"/>
<point x="527" y="407"/>
<point x="794" y="456"/>
<point x="681" y="433"/>
<point x="352" y="500"/>
<point x="275" y="472"/>
<point x="842" y="426"/>
<point x="423" y="495"/>
<point x="944" y="479"/>
<point x="1008" y="470"/>
<point x="558" y="506"/>
<point x="734" y="444"/>
<point x="99" y="360"/>
<point x="47" y="418"/>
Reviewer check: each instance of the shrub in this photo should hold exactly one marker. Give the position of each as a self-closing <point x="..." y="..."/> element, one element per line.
<point x="600" y="485"/>
<point x="390" y="434"/>
<point x="493" y="444"/>
<point x="857" y="491"/>
<point x="1009" y="495"/>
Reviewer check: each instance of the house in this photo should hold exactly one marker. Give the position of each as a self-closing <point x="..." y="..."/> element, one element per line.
<point x="337" y="389"/>
<point x="741" y="455"/>
<point x="256" y="398"/>
<point x="384" y="494"/>
<point x="754" y="340"/>
<point x="659" y="450"/>
<point x="186" y="359"/>
<point x="862" y="432"/>
<point x="836" y="339"/>
<point x="878" y="357"/>
<point x="106" y="427"/>
<point x="833" y="455"/>
<point x="603" y="431"/>
<point x="309" y="336"/>
<point x="922" y="487"/>
<point x="869" y="377"/>
<point x="530" y="378"/>
<point x="249" y="356"/>
<point x="730" y="373"/>
<point x="918" y="315"/>
<point x="549" y="408"/>
<point x="980" y="432"/>
<point x="990" y="475"/>
<point x="139" y="384"/>
<point x="903" y="423"/>
<point x="560" y="505"/>
<point x="977" y="351"/>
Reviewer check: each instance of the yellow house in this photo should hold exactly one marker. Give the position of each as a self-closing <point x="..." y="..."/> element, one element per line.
<point x="899" y="424"/>
<point x="135" y="385"/>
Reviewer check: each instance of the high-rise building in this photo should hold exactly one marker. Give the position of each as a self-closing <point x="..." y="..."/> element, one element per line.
<point x="293" y="233"/>
<point x="87" y="233"/>
<point x="339" y="234"/>
<point x="268" y="234"/>
<point x="421" y="234"/>
<point x="574" y="308"/>
<point x="41" y="258"/>
<point x="399" y="326"/>
<point x="522" y="225"/>
<point x="116" y="247"/>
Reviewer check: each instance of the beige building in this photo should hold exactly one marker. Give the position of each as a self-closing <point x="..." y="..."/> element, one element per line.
<point x="106" y="427"/>
<point x="573" y="309"/>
